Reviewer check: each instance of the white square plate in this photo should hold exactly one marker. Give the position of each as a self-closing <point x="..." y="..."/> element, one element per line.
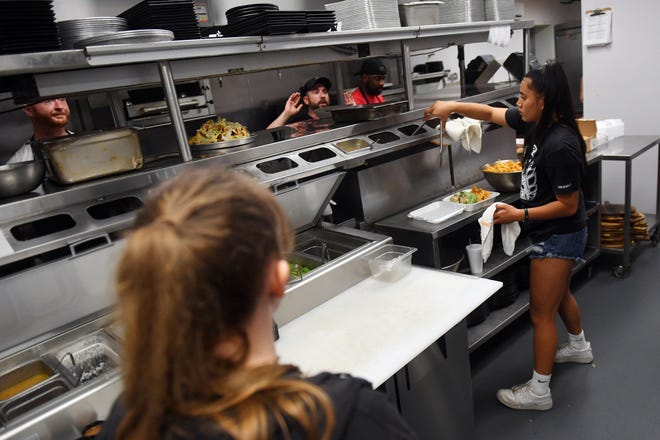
<point x="436" y="212"/>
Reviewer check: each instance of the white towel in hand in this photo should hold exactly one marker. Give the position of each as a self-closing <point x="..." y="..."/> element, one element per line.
<point x="467" y="131"/>
<point x="500" y="35"/>
<point x="510" y="232"/>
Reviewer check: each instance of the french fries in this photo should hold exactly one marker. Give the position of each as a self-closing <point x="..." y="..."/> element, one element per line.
<point x="503" y="166"/>
<point x="482" y="194"/>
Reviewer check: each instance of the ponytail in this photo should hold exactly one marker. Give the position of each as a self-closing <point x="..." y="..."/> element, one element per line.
<point x="550" y="82"/>
<point x="191" y="275"/>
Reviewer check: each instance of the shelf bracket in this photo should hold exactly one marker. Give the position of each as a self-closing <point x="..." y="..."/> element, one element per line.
<point x="407" y="74"/>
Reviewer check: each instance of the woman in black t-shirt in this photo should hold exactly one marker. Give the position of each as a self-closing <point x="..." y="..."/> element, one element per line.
<point x="553" y="210"/>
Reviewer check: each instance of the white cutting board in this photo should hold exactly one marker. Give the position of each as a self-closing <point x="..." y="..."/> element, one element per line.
<point x="375" y="328"/>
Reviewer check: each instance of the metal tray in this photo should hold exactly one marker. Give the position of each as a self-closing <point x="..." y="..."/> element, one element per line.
<point x="126" y="37"/>
<point x="366" y="112"/>
<point x="234" y="145"/>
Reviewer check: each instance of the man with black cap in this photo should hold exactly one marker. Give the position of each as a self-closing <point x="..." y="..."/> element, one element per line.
<point x="312" y="96"/>
<point x="372" y="80"/>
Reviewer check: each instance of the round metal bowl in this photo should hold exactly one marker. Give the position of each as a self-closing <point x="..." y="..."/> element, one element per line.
<point x="21" y="177"/>
<point x="503" y="182"/>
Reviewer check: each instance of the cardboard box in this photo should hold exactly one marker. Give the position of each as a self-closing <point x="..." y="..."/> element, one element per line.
<point x="589" y="131"/>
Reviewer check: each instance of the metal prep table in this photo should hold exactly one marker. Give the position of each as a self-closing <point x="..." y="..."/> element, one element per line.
<point x="627" y="148"/>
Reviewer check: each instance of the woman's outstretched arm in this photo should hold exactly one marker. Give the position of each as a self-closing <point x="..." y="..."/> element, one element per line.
<point x="483" y="112"/>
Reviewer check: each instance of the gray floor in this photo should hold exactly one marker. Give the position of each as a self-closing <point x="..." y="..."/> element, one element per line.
<point x="616" y="397"/>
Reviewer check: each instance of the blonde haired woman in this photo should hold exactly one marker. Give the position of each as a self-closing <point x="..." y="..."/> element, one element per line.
<point x="201" y="275"/>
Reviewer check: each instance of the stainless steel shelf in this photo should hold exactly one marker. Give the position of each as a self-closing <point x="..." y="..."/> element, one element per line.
<point x="121" y="54"/>
<point x="499" y="261"/>
<point x="433" y="75"/>
<point x="590" y="254"/>
<point x="496" y="321"/>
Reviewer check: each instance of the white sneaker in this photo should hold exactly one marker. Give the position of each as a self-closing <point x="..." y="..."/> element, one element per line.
<point x="567" y="353"/>
<point x="522" y="397"/>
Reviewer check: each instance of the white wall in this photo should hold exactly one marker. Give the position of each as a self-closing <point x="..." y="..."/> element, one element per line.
<point x="620" y="82"/>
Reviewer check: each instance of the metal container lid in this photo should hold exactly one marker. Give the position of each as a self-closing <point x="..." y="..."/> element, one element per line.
<point x="304" y="203"/>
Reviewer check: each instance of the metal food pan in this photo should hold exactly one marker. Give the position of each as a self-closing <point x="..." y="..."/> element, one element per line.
<point x="366" y="112"/>
<point x="87" y="358"/>
<point x="353" y="144"/>
<point x="23" y="378"/>
<point x="79" y="157"/>
<point x="420" y="13"/>
<point x="297" y="262"/>
<point x="33" y="398"/>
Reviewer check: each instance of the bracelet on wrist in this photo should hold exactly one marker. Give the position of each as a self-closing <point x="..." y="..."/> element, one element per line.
<point x="526" y="215"/>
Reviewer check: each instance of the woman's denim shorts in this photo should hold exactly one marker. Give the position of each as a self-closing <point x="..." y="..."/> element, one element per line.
<point x="567" y="246"/>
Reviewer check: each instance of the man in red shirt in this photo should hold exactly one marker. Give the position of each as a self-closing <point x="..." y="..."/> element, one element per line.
<point x="372" y="80"/>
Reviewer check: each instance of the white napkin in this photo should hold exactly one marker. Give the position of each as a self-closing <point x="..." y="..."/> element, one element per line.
<point x="510" y="232"/>
<point x="500" y="35"/>
<point x="467" y="131"/>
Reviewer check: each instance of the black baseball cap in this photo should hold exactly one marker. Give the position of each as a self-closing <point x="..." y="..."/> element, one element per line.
<point x="313" y="82"/>
<point x="372" y="66"/>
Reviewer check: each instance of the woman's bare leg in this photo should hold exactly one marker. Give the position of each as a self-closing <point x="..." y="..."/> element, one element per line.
<point x="549" y="283"/>
<point x="570" y="313"/>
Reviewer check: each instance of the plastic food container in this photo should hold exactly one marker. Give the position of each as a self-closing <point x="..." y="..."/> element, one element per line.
<point x="391" y="262"/>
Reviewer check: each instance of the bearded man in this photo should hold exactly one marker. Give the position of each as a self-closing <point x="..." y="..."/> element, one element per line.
<point x="49" y="119"/>
<point x="302" y="105"/>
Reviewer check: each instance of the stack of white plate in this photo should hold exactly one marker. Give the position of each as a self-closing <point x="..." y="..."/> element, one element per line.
<point x="499" y="10"/>
<point x="462" y="11"/>
<point x="72" y="31"/>
<point x="366" y="14"/>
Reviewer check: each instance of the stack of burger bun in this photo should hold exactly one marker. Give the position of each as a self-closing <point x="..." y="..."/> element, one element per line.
<point x="612" y="223"/>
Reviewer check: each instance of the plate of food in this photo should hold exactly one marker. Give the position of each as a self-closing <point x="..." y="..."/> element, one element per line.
<point x="472" y="198"/>
<point x="220" y="134"/>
